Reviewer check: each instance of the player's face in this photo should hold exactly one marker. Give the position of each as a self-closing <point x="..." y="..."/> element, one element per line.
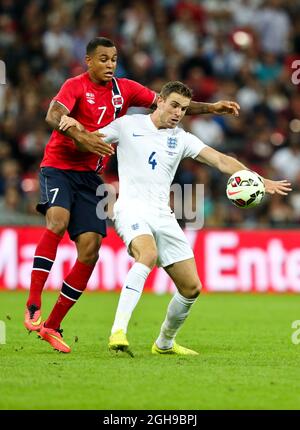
<point x="172" y="109"/>
<point x="102" y="64"/>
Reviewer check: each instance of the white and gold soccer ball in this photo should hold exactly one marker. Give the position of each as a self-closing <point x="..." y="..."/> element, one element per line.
<point x="245" y="189"/>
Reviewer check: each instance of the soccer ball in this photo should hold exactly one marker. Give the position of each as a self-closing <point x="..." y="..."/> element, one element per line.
<point x="245" y="189"/>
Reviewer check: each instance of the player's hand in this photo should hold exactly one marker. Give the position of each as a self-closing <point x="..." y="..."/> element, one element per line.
<point x="93" y="142"/>
<point x="67" y="121"/>
<point x="277" y="187"/>
<point x="226" y="107"/>
<point x="87" y="141"/>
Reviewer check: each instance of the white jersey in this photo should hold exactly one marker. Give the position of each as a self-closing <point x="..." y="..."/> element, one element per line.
<point x="148" y="159"/>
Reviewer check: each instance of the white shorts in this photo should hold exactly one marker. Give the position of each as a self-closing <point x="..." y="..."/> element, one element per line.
<point x="172" y="245"/>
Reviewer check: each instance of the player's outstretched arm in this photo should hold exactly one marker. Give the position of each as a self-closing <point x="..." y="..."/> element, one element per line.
<point x="230" y="165"/>
<point x="221" y="107"/>
<point x="84" y="140"/>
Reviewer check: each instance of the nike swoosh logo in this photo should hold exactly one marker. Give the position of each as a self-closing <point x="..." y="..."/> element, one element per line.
<point x="129" y="288"/>
<point x="232" y="193"/>
<point x="58" y="339"/>
<point x="137" y="135"/>
<point x="37" y="322"/>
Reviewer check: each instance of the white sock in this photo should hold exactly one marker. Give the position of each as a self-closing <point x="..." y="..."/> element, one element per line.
<point x="130" y="295"/>
<point x="178" y="310"/>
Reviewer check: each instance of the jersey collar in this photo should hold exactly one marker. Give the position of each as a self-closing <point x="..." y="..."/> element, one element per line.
<point x="160" y="130"/>
<point x="108" y="86"/>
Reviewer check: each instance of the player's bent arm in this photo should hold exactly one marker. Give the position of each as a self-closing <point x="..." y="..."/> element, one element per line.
<point x="54" y="114"/>
<point x="53" y="118"/>
<point x="83" y="139"/>
<point x="222" y="162"/>
<point x="230" y="165"/>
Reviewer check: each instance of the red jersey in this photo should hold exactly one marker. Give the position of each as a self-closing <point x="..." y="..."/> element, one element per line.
<point x="94" y="106"/>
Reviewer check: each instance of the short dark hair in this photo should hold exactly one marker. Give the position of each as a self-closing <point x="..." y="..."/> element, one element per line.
<point x="176" y="87"/>
<point x="98" y="41"/>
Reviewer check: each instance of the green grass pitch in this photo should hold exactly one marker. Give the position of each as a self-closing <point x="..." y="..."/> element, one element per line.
<point x="247" y="359"/>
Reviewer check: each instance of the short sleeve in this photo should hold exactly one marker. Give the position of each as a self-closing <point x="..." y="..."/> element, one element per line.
<point x="112" y="131"/>
<point x="69" y="93"/>
<point x="192" y="145"/>
<point x="139" y="95"/>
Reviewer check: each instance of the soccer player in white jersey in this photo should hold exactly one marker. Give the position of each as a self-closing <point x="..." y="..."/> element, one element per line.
<point x="149" y="150"/>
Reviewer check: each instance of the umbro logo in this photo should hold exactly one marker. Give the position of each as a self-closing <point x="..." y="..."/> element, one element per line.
<point x="90" y="97"/>
<point x="137" y="135"/>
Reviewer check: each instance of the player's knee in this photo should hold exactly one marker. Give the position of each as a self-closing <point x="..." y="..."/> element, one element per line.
<point x="89" y="257"/>
<point x="148" y="257"/>
<point x="193" y="290"/>
<point x="57" y="226"/>
<point x="90" y="253"/>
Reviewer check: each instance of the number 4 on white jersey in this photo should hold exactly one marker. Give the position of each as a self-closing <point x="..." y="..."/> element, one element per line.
<point x="152" y="160"/>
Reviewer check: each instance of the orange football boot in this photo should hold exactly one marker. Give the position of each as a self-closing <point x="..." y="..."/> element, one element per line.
<point x="33" y="319"/>
<point x="54" y="337"/>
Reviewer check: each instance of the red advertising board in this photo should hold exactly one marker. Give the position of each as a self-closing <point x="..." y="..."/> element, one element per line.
<point x="227" y="260"/>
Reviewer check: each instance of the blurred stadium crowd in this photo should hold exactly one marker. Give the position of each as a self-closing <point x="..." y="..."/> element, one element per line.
<point x="239" y="50"/>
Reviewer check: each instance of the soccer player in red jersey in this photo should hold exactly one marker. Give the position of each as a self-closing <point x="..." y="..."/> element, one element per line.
<point x="69" y="177"/>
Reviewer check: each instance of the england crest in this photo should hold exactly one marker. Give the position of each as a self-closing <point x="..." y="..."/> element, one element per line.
<point x="172" y="142"/>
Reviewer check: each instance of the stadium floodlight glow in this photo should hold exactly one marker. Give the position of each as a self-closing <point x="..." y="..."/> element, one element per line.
<point x="277" y="138"/>
<point x="242" y="39"/>
<point x="295" y="125"/>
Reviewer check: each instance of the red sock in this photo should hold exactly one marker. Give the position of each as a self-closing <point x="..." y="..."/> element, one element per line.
<point x="73" y="286"/>
<point x="44" y="257"/>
